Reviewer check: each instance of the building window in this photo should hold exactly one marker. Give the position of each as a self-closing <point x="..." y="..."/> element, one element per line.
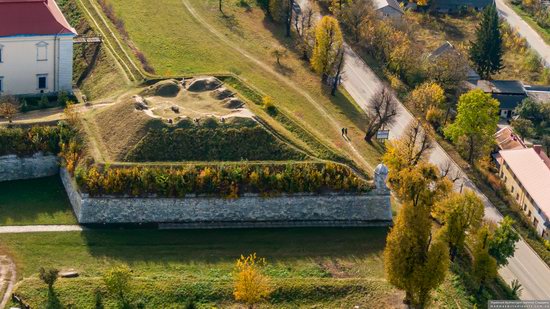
<point x="517" y="196"/>
<point x="1" y="54"/>
<point x="524" y="207"/>
<point x="535" y="222"/>
<point x="1" y="84"/>
<point x="42" y="51"/>
<point x="529" y="214"/>
<point x="42" y="81"/>
<point x="512" y="189"/>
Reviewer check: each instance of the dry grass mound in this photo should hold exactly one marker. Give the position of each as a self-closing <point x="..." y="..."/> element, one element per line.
<point x="204" y="84"/>
<point x="121" y="126"/>
<point x="166" y="88"/>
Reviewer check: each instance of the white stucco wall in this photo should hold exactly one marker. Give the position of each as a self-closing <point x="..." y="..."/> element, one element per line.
<point x="388" y="11"/>
<point x="20" y="66"/>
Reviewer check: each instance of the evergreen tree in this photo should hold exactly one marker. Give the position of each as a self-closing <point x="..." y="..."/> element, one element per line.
<point x="486" y="52"/>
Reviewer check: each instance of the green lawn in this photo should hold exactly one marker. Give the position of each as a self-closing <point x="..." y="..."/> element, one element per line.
<point x="309" y="268"/>
<point x="176" y="43"/>
<point x="173" y="263"/>
<point x="37" y="201"/>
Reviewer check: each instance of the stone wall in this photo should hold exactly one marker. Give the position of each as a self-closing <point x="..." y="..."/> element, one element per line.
<point x="247" y="211"/>
<point x="13" y="167"/>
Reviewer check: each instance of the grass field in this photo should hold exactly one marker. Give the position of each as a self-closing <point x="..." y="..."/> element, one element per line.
<point x="316" y="267"/>
<point x="176" y="43"/>
<point x="37" y="201"/>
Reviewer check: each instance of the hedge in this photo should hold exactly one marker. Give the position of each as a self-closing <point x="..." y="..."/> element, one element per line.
<point x="28" y="141"/>
<point x="228" y="181"/>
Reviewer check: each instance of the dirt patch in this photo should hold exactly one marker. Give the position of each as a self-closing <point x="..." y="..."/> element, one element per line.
<point x="204" y="84"/>
<point x="334" y="268"/>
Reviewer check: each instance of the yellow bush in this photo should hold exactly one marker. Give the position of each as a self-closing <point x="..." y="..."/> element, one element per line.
<point x="251" y="286"/>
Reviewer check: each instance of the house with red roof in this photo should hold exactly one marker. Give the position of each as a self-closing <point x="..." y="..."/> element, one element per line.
<point x="36" y="48"/>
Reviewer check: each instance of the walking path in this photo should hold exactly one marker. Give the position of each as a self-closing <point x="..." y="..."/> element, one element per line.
<point x="8" y="275"/>
<point x="39" y="229"/>
<point x="525" y="266"/>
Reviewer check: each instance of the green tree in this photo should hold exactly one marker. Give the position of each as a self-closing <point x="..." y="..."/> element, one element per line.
<point x="484" y="266"/>
<point x="523" y="127"/>
<point x="48" y="276"/>
<point x="475" y="124"/>
<point x="117" y="280"/>
<point x="486" y="51"/>
<point x="460" y="214"/>
<point x="502" y="242"/>
<point x="328" y="44"/>
<point x="414" y="261"/>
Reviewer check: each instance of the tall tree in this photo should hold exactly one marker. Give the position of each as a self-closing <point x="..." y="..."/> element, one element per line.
<point x="460" y="214"/>
<point x="328" y="43"/>
<point x="409" y="150"/>
<point x="502" y="242"/>
<point x="484" y="267"/>
<point x="475" y="124"/>
<point x="353" y="15"/>
<point x="339" y="69"/>
<point x="414" y="260"/>
<point x="382" y="111"/>
<point x="523" y="127"/>
<point x="486" y="51"/>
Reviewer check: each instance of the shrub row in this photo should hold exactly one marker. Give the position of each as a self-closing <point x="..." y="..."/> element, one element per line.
<point x="229" y="181"/>
<point x="212" y="142"/>
<point x="28" y="141"/>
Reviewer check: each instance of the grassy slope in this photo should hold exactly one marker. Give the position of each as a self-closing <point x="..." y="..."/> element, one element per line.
<point x="175" y="43"/>
<point x="323" y="267"/>
<point x="37" y="201"/>
<point x="104" y="78"/>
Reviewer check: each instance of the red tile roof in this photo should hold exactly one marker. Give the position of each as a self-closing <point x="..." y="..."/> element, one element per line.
<point x="32" y="17"/>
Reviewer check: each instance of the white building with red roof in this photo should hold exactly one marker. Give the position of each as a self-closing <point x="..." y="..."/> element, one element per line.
<point x="36" y="48"/>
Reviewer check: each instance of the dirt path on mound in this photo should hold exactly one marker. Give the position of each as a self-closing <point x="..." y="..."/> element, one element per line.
<point x="335" y="125"/>
<point x="8" y="275"/>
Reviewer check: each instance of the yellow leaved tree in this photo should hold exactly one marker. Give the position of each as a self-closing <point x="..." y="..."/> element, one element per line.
<point x="251" y="286"/>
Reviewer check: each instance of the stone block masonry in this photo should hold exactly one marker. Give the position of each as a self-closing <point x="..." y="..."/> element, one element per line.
<point x="247" y="211"/>
<point x="13" y="167"/>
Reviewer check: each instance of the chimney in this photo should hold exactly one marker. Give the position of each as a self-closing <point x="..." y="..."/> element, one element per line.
<point x="537" y="148"/>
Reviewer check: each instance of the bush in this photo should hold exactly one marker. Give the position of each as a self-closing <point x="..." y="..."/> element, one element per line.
<point x="25" y="142"/>
<point x="269" y="106"/>
<point x="219" y="180"/>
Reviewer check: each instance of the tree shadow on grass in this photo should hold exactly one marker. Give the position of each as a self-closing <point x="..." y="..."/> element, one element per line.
<point x="231" y="22"/>
<point x="204" y="246"/>
<point x="53" y="301"/>
<point x="283" y="69"/>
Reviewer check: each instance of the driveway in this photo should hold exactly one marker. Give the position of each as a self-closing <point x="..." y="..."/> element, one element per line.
<point x="526" y="266"/>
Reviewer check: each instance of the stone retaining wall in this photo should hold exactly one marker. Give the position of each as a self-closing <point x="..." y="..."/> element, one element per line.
<point x="13" y="167"/>
<point x="251" y="210"/>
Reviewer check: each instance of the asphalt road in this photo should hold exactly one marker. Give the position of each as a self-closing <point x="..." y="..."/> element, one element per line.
<point x="532" y="37"/>
<point x="525" y="266"/>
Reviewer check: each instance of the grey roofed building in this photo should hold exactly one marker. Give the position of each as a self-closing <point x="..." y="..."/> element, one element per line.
<point x="388" y="8"/>
<point x="447" y="47"/>
<point x="450" y="6"/>
<point x="510" y="94"/>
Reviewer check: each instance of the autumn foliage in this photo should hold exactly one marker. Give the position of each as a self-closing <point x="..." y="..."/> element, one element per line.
<point x="251" y="286"/>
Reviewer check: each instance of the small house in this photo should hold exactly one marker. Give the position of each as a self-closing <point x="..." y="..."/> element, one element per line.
<point x="455" y="6"/>
<point x="388" y="8"/>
